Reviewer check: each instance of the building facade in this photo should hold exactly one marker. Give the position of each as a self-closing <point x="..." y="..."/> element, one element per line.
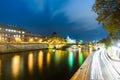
<point x="17" y="34"/>
<point x="55" y="41"/>
<point x="11" y="33"/>
<point x="70" y="41"/>
<point x="29" y="37"/>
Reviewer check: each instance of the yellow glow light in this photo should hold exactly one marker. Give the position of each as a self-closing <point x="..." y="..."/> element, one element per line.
<point x="30" y="62"/>
<point x="40" y="40"/>
<point x="18" y="40"/>
<point x="31" y="40"/>
<point x="16" y="66"/>
<point x="40" y="60"/>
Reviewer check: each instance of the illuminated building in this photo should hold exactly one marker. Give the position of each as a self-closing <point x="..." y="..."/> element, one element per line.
<point x="29" y="37"/>
<point x="55" y="41"/>
<point x="17" y="34"/>
<point x="70" y="41"/>
<point x="11" y="33"/>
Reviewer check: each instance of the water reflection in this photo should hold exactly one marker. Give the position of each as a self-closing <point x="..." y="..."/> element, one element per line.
<point x="81" y="58"/>
<point x="41" y="65"/>
<point x="40" y="60"/>
<point x="56" y="58"/>
<point x="0" y="68"/>
<point x="16" y="66"/>
<point x="30" y="62"/>
<point x="48" y="59"/>
<point x="70" y="59"/>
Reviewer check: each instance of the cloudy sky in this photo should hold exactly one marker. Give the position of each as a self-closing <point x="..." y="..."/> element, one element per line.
<point x="66" y="17"/>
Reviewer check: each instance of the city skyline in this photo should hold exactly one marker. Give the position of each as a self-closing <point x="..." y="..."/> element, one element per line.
<point x="66" y="17"/>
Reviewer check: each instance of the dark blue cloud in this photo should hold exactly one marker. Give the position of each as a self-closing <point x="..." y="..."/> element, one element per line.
<point x="66" y="17"/>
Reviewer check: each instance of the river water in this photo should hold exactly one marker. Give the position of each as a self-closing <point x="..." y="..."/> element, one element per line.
<point x="41" y="64"/>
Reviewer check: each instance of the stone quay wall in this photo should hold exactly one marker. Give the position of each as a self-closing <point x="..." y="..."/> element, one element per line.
<point x="18" y="47"/>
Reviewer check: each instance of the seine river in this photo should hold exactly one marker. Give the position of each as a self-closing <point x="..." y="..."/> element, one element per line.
<point x="41" y="64"/>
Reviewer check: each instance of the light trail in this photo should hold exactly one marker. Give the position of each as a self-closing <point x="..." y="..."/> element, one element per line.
<point x="103" y="67"/>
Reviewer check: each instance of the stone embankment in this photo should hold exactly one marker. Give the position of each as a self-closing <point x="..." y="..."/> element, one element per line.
<point x="17" y="47"/>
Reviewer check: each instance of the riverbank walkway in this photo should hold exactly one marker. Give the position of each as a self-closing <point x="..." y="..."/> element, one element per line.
<point x="99" y="66"/>
<point x="83" y="72"/>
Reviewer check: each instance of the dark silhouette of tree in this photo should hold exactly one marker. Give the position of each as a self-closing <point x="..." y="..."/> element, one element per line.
<point x="108" y="15"/>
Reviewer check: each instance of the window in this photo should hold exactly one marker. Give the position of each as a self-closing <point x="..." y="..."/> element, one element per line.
<point x="14" y="30"/>
<point x="6" y="35"/>
<point x="19" y="31"/>
<point x="23" y="32"/>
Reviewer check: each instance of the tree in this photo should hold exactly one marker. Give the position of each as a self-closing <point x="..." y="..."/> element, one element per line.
<point x="108" y="15"/>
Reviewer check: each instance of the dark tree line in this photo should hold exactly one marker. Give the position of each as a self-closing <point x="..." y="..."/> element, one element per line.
<point x="108" y="15"/>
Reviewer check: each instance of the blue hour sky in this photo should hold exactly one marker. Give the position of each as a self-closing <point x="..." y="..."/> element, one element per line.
<point x="66" y="17"/>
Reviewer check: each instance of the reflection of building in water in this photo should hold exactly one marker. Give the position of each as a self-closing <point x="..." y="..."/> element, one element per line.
<point x="40" y="60"/>
<point x="70" y="41"/>
<point x="58" y="56"/>
<point x="30" y="63"/>
<point x="80" y="57"/>
<point x="16" y="66"/>
<point x="0" y="69"/>
<point x="48" y="59"/>
<point x="71" y="59"/>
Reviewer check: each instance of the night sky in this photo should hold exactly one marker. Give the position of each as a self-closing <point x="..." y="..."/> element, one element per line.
<point x="66" y="17"/>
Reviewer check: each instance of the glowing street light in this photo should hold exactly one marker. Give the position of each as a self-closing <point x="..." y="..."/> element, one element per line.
<point x="31" y="40"/>
<point x="0" y="38"/>
<point x="40" y="40"/>
<point x="18" y="40"/>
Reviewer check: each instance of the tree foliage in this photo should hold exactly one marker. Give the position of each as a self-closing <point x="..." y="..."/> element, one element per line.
<point x="108" y="14"/>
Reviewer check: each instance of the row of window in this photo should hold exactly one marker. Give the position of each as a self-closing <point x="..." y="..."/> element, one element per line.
<point x="8" y="35"/>
<point x="12" y="30"/>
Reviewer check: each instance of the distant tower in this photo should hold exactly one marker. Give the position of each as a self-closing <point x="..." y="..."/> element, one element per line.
<point x="70" y="41"/>
<point x="54" y="34"/>
<point x="68" y="37"/>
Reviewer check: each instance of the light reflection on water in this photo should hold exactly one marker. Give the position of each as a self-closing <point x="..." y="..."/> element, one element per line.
<point x="30" y="63"/>
<point x="16" y="66"/>
<point x="48" y="59"/>
<point x="0" y="69"/>
<point x="81" y="58"/>
<point x="41" y="65"/>
<point x="71" y="59"/>
<point x="40" y="60"/>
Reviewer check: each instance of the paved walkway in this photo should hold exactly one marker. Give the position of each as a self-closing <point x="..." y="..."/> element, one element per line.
<point x="83" y="72"/>
<point x="99" y="66"/>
